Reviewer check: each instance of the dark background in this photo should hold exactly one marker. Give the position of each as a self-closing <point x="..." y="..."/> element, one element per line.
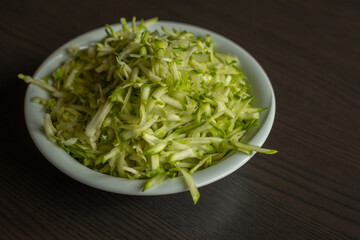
<point x="309" y="190"/>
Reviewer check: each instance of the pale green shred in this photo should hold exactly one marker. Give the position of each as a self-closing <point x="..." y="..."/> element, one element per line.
<point x="146" y="105"/>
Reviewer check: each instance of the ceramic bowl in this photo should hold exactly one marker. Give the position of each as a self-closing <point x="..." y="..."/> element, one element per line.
<point x="261" y="88"/>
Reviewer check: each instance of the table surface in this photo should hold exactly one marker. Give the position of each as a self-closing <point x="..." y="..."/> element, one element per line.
<point x="309" y="190"/>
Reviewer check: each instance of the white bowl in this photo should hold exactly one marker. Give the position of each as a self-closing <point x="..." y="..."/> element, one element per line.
<point x="261" y="88"/>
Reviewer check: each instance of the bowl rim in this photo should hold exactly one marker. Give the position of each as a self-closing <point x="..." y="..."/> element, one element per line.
<point x="71" y="167"/>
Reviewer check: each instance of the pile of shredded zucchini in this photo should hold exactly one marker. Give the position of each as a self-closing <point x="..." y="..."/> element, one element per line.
<point x="146" y="105"/>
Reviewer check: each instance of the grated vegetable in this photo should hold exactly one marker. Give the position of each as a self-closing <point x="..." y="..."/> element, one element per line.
<point x="146" y="105"/>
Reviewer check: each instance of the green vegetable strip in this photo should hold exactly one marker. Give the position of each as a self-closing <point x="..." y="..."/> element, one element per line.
<point x="191" y="185"/>
<point x="97" y="120"/>
<point x="146" y="105"/>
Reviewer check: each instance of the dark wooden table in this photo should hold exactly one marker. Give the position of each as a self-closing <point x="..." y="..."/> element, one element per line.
<point x="309" y="190"/>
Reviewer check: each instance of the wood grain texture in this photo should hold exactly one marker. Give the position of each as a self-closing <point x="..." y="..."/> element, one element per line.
<point x="309" y="190"/>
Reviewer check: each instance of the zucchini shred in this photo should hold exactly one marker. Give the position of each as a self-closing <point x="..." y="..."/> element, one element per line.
<point x="149" y="105"/>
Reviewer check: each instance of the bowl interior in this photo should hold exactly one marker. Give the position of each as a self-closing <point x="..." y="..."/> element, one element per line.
<point x="34" y="114"/>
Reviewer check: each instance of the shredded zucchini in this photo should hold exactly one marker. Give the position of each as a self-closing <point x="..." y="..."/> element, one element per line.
<point x="146" y="105"/>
